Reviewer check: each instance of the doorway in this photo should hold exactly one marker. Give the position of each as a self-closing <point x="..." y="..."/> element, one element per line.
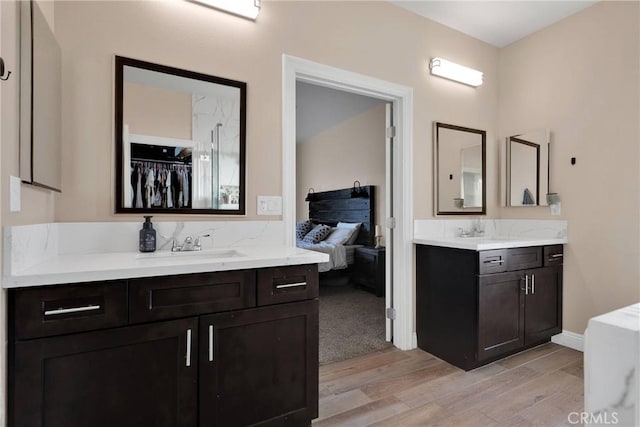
<point x="341" y="141"/>
<point x="399" y="261"/>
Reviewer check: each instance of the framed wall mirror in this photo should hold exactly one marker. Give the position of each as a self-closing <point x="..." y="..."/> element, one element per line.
<point x="460" y="170"/>
<point x="180" y="140"/>
<point x="527" y="182"/>
<point x="40" y="100"/>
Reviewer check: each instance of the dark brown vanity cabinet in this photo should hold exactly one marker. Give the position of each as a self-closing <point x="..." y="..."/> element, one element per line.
<point x="188" y="350"/>
<point x="132" y="376"/>
<point x="475" y="307"/>
<point x="255" y="366"/>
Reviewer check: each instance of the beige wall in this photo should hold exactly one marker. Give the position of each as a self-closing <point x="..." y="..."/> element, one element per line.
<point x="334" y="159"/>
<point x="155" y="111"/>
<point x="581" y="79"/>
<point x="37" y="205"/>
<point x="363" y="37"/>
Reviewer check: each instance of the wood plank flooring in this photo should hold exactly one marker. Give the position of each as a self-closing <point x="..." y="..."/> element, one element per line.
<point x="394" y="388"/>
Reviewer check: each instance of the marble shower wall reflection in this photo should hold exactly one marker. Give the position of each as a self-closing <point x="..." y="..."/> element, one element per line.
<point x="217" y="120"/>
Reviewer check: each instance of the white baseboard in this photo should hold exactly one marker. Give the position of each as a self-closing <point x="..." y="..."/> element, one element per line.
<point x="569" y="339"/>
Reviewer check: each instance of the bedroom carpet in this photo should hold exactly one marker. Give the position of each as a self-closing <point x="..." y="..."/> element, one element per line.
<point x="351" y="323"/>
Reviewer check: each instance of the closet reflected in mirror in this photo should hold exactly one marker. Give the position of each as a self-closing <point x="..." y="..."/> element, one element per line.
<point x="180" y="140"/>
<point x="460" y="170"/>
<point x="527" y="168"/>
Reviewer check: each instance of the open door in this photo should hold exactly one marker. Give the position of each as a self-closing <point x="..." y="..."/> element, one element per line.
<point x="389" y="223"/>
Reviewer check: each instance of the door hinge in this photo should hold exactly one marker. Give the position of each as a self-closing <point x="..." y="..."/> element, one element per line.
<point x="391" y="313"/>
<point x="391" y="132"/>
<point x="391" y="223"/>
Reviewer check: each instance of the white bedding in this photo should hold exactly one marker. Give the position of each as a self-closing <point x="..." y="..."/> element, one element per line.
<point x="337" y="254"/>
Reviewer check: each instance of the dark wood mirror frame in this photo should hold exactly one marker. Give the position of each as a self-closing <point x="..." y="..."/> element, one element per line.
<point x="483" y="135"/>
<point x="120" y="63"/>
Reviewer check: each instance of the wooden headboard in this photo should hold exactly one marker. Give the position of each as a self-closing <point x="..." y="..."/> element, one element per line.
<point x="331" y="207"/>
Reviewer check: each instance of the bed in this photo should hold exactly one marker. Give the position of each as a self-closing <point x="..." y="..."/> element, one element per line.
<point x="348" y="205"/>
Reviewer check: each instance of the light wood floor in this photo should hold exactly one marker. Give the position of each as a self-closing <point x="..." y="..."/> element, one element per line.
<point x="539" y="387"/>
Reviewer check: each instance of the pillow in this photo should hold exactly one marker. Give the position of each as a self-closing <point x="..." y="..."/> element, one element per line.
<point x="302" y="228"/>
<point x="339" y="236"/>
<point x="352" y="225"/>
<point x="318" y="234"/>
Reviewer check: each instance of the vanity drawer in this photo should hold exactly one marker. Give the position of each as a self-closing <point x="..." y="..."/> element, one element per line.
<point x="524" y="258"/>
<point x="286" y="284"/>
<point x="58" y="310"/>
<point x="553" y="255"/>
<point x="494" y="261"/>
<point x="170" y="297"/>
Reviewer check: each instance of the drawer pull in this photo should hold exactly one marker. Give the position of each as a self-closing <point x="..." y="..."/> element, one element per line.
<point x="495" y="261"/>
<point x="71" y="310"/>
<point x="291" y="285"/>
<point x="557" y="256"/>
<point x="188" y="356"/>
<point x="210" y="343"/>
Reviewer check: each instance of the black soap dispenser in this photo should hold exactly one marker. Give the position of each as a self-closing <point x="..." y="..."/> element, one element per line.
<point x="147" y="236"/>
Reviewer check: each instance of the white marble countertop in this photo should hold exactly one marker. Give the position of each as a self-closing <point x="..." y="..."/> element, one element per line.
<point x="88" y="267"/>
<point x="488" y="243"/>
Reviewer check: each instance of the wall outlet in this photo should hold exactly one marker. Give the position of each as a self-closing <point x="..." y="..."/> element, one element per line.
<point x="14" y="193"/>
<point x="269" y="205"/>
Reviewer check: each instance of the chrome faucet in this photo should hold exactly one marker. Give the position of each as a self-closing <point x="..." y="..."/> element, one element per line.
<point x="189" y="244"/>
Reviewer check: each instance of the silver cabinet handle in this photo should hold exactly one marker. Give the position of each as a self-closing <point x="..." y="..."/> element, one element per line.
<point x="71" y="310"/>
<point x="495" y="261"/>
<point x="188" y="356"/>
<point x="533" y="284"/>
<point x="210" y="343"/>
<point x="526" y="284"/>
<point x="557" y="256"/>
<point x="291" y="285"/>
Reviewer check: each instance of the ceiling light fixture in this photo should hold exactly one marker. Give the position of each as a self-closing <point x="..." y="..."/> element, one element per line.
<point x="244" y="8"/>
<point x="452" y="71"/>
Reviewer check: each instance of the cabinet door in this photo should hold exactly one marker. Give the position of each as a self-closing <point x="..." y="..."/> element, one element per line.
<point x="543" y="308"/>
<point x="260" y="366"/>
<point x="134" y="376"/>
<point x="500" y="314"/>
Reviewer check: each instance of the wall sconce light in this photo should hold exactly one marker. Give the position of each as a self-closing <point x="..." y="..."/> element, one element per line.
<point x="244" y="8"/>
<point x="452" y="71"/>
<point x="310" y="195"/>
<point x="358" y="191"/>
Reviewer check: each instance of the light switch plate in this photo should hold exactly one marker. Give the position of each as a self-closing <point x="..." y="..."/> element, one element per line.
<point x="14" y="194"/>
<point x="269" y="205"/>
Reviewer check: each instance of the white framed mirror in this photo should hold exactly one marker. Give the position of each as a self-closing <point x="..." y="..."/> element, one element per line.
<point x="527" y="168"/>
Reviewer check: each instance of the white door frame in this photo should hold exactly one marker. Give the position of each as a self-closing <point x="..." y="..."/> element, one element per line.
<point x="297" y="69"/>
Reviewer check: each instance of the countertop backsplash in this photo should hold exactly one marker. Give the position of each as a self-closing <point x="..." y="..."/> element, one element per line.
<point x="29" y="245"/>
<point x="493" y="228"/>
